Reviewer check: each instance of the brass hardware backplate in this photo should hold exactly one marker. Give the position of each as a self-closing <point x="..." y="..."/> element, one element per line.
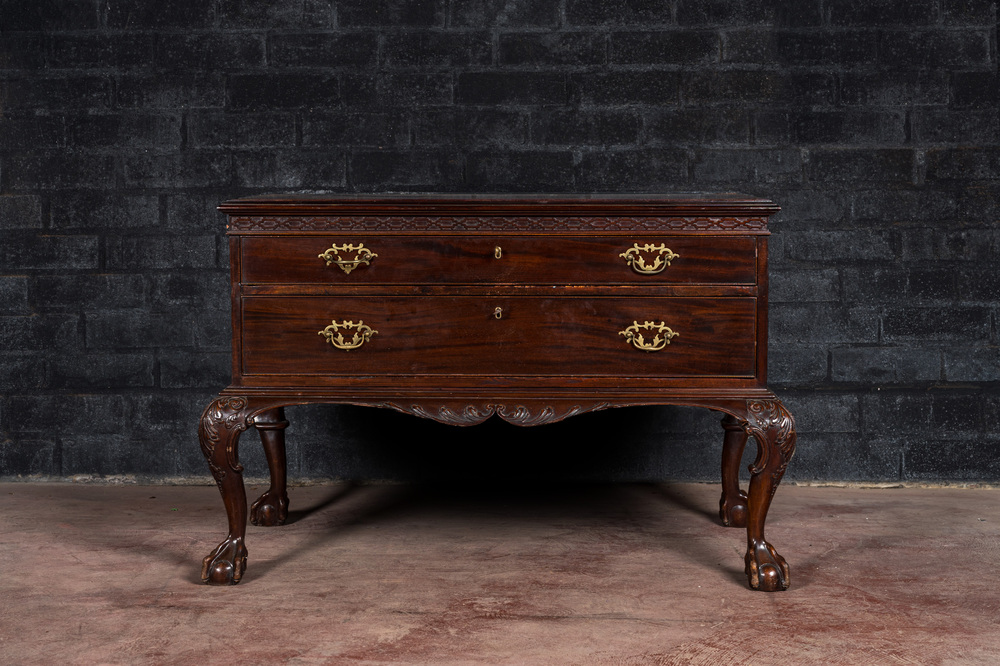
<point x="634" y="258"/>
<point x="362" y="256"/>
<point x="335" y="337"/>
<point x="662" y="337"/>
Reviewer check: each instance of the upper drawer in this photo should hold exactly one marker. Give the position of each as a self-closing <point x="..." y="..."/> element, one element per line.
<point x="387" y="259"/>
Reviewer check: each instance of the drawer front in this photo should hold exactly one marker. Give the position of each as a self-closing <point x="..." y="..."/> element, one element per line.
<point x="502" y="336"/>
<point x="515" y="259"/>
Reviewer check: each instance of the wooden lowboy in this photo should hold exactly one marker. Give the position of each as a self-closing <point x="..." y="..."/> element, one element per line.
<point x="530" y="308"/>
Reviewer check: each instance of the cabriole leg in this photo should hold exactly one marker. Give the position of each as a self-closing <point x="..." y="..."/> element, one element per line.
<point x="271" y="508"/>
<point x="733" y="504"/>
<point x="774" y="429"/>
<point x="219" y="434"/>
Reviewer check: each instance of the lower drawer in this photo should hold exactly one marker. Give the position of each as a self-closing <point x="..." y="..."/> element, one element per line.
<point x="499" y="336"/>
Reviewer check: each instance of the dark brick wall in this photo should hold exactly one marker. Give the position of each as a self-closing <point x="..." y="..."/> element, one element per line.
<point x="123" y="123"/>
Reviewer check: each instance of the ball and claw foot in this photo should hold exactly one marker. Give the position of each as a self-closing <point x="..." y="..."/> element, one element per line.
<point x="733" y="513"/>
<point x="765" y="569"/>
<point x="226" y="564"/>
<point x="270" y="510"/>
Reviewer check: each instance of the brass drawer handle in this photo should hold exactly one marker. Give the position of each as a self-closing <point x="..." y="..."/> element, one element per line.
<point x="660" y="340"/>
<point x="362" y="256"/>
<point x="633" y="257"/>
<point x="336" y="338"/>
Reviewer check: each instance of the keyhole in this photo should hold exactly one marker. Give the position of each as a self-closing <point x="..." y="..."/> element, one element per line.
<point x="498" y="252"/>
<point x="498" y="313"/>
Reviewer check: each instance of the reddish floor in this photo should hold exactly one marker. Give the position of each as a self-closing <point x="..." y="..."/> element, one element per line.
<point x="621" y="574"/>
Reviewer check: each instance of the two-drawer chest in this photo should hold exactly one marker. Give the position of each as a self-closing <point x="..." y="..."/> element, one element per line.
<point x="529" y="308"/>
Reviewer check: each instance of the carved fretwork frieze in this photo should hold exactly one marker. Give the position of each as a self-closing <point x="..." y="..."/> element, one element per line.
<point x="473" y="223"/>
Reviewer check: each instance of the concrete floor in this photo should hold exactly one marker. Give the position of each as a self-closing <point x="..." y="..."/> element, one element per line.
<point x="620" y="574"/>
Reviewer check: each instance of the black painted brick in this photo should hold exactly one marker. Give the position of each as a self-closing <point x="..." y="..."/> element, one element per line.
<point x="197" y="291"/>
<point x="951" y="126"/>
<point x="885" y="365"/>
<point x="625" y="12"/>
<point x="189" y="90"/>
<point x="520" y="170"/>
<point x="13" y="294"/>
<point x="290" y="169"/>
<point x="292" y="14"/>
<point x="794" y="87"/>
<point x="934" y="48"/>
<point x="20" y="211"/>
<point x="140" y="14"/>
<point x="896" y="412"/>
<point x="975" y="89"/>
<point x="371" y="129"/>
<point x="790" y="364"/>
<point x="625" y="87"/>
<point x="832" y="412"/>
<point x="725" y="125"/>
<point x="436" y="50"/>
<point x="213" y="331"/>
<point x="124" y="129"/>
<point x="99" y="50"/>
<point x="214" y="129"/>
<point x="490" y="88"/>
<point x="899" y="89"/>
<point x="963" y="164"/>
<point x="803" y="286"/>
<point x="189" y="169"/>
<point x="881" y="12"/>
<point x="831" y="127"/>
<point x="972" y="459"/>
<point x="905" y="205"/>
<point x="799" y="48"/>
<point x="972" y="364"/>
<point x="870" y="284"/>
<point x="969" y="12"/>
<point x="36" y="16"/>
<point x="837" y="246"/>
<point x="103" y="210"/>
<point x="855" y="165"/>
<point x="209" y="370"/>
<point x="936" y="324"/>
<point x="210" y="52"/>
<point x="23" y="371"/>
<point x="770" y="12"/>
<point x="24" y="251"/>
<point x="979" y="285"/>
<point x="633" y="170"/>
<point x="32" y="133"/>
<point x="54" y="169"/>
<point x="671" y="47"/>
<point x="502" y="13"/>
<point x="413" y="13"/>
<point x="406" y="169"/>
<point x="52" y="92"/>
<point x="472" y="128"/>
<point x="928" y="244"/>
<point x="741" y="166"/>
<point x="589" y="128"/>
<point x="553" y="48"/>
<point x="38" y="332"/>
<point x="815" y="323"/>
<point x="845" y="457"/>
<point x="149" y="252"/>
<point x="23" y="50"/>
<point x="100" y="371"/>
<point x="399" y="90"/>
<point x="323" y="49"/>
<point x="30" y="457"/>
<point x="72" y="292"/>
<point x="137" y="329"/>
<point x="281" y="91"/>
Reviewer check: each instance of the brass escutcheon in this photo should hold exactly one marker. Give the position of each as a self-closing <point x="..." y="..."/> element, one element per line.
<point x="660" y="340"/>
<point x="363" y="256"/>
<point x="498" y="313"/>
<point x="336" y="338"/>
<point x="634" y="258"/>
<point x="498" y="252"/>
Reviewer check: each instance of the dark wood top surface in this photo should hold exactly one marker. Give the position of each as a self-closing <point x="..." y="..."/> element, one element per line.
<point x="678" y="204"/>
